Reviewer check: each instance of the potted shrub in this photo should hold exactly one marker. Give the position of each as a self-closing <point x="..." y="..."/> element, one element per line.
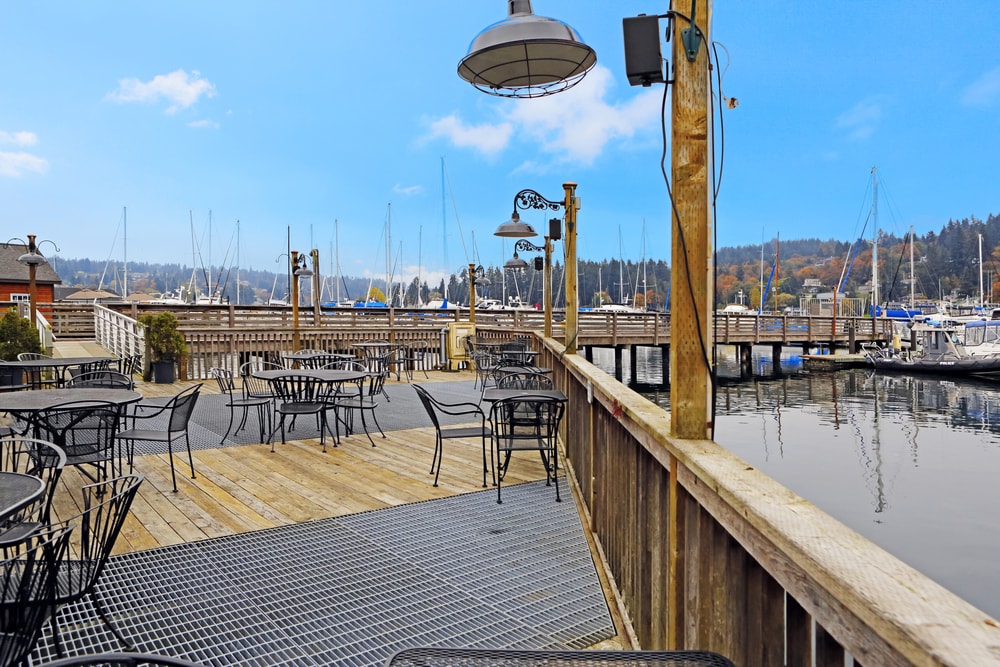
<point x="165" y="344"/>
<point x="17" y="335"/>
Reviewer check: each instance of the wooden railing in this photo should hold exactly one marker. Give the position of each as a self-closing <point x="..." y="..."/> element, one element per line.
<point x="595" y="328"/>
<point x="709" y="553"/>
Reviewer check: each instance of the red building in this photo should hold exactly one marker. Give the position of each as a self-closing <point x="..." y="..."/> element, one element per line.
<point x="14" y="283"/>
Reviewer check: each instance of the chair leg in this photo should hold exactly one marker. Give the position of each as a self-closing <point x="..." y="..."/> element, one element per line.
<point x="102" y="614"/>
<point x="230" y="427"/>
<point x="187" y="441"/>
<point x="438" y="455"/>
<point x="170" y="455"/>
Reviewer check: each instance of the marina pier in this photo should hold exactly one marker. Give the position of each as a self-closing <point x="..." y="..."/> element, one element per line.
<point x="698" y="549"/>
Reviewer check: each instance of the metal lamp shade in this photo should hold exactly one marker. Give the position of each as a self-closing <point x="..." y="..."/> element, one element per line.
<point x="515" y="263"/>
<point x="31" y="259"/>
<point x="303" y="272"/>
<point x="515" y="229"/>
<point x="526" y="56"/>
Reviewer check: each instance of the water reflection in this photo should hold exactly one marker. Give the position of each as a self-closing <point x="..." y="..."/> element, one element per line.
<point x="909" y="462"/>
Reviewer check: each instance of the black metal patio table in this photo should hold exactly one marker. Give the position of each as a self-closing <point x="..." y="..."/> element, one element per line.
<point x="59" y="365"/>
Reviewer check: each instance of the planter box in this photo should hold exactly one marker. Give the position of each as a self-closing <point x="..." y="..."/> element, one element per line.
<point x="163" y="372"/>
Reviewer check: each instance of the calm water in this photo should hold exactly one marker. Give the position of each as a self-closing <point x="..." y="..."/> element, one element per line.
<point x="911" y="463"/>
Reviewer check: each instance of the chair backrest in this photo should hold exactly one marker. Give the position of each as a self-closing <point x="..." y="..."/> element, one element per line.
<point x="428" y="402"/>
<point x="27" y="577"/>
<point x="181" y="407"/>
<point x="105" y="507"/>
<point x="321" y="360"/>
<point x="85" y="430"/>
<point x="33" y="457"/>
<point x="31" y="356"/>
<point x="254" y="386"/>
<point x="298" y="389"/>
<point x="106" y="379"/>
<point x="130" y="364"/>
<point x="348" y="365"/>
<point x="224" y="378"/>
<point x="522" y="380"/>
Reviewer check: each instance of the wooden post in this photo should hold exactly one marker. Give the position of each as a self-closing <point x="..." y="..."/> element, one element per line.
<point x="547" y="280"/>
<point x="472" y="293"/>
<point x="691" y="278"/>
<point x="316" y="289"/>
<point x="571" y="205"/>
<point x="295" y="301"/>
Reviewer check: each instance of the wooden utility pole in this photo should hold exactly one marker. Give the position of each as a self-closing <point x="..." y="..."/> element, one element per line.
<point x="572" y="205"/>
<point x="691" y="276"/>
<point x="294" y="262"/>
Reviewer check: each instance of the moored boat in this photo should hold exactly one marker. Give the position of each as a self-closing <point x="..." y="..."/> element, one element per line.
<point x="939" y="351"/>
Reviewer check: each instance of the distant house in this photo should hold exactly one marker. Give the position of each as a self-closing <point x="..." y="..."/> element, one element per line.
<point x="14" y="277"/>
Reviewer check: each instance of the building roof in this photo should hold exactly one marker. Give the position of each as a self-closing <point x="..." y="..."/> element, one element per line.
<point x="87" y="294"/>
<point x="13" y="271"/>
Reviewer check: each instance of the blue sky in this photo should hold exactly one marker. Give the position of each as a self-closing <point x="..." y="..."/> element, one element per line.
<point x="299" y="114"/>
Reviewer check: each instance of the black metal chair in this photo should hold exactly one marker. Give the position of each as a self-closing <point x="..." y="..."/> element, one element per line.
<point x="527" y="422"/>
<point x="86" y="431"/>
<point x="27" y="578"/>
<point x="296" y="396"/>
<point x="38" y="378"/>
<point x="178" y="411"/>
<point x="130" y="364"/>
<point x="105" y="507"/>
<point x="238" y="399"/>
<point x="414" y="356"/>
<point x="31" y="457"/>
<point x="362" y="397"/>
<point x="254" y="387"/>
<point x="121" y="660"/>
<point x="478" y="657"/>
<point x="434" y="406"/>
<point x="106" y="379"/>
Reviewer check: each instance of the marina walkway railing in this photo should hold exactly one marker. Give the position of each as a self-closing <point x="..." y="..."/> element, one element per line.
<point x="119" y="334"/>
<point x="708" y="553"/>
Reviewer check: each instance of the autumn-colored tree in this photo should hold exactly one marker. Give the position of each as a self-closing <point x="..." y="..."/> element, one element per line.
<point x="375" y="294"/>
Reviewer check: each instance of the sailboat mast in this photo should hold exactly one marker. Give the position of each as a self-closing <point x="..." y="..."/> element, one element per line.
<point x="913" y="281"/>
<point x="981" y="295"/>
<point x="761" y="271"/>
<point x="777" y="270"/>
<point x="388" y="251"/>
<point x="237" y="263"/>
<point x="125" y="251"/>
<point x="875" y="299"/>
<point x="336" y="236"/>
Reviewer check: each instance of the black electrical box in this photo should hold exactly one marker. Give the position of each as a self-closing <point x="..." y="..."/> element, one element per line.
<point x="643" y="62"/>
<point x="555" y="229"/>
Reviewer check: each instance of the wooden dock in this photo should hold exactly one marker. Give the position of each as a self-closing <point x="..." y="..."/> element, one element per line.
<point x="833" y="362"/>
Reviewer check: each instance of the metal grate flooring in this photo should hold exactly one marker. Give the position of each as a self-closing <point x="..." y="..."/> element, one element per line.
<point x="459" y="571"/>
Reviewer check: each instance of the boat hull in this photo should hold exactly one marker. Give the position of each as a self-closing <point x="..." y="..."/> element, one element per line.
<point x="977" y="366"/>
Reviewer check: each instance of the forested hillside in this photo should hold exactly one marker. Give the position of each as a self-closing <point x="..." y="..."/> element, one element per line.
<point x="946" y="265"/>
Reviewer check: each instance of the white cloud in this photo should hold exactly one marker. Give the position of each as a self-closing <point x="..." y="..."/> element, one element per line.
<point x="984" y="91"/>
<point x="178" y="88"/>
<point x="861" y="120"/>
<point x="18" y="138"/>
<point x="572" y="126"/>
<point x="203" y="124"/>
<point x="578" y="124"/>
<point x="408" y="190"/>
<point x="16" y="164"/>
<point x="485" y="138"/>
